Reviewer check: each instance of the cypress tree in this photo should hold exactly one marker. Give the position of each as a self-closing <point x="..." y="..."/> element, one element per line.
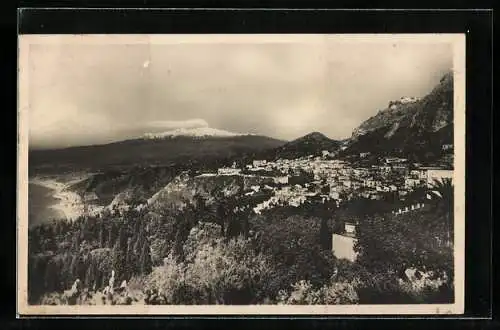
<point x="245" y="226"/>
<point x="102" y="235"/>
<point x="145" y="259"/>
<point x="325" y="235"/>
<point x="119" y="255"/>
<point x="91" y="275"/>
<point x="75" y="266"/>
<point x="234" y="226"/>
<point x="76" y="242"/>
<point x="111" y="234"/>
<point x="140" y="239"/>
<point x="130" y="260"/>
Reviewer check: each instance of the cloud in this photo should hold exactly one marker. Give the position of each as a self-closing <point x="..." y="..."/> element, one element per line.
<point x="175" y="124"/>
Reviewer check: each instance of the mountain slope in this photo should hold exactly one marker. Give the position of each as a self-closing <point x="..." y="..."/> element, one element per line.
<point x="146" y="152"/>
<point x="415" y="128"/>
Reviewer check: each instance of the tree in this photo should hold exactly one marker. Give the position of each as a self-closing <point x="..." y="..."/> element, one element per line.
<point x="119" y="256"/>
<point x="91" y="275"/>
<point x="394" y="243"/>
<point x="145" y="259"/>
<point x="130" y="259"/>
<point x="76" y="242"/>
<point x="102" y="234"/>
<point x="111" y="234"/>
<point x="325" y="235"/>
<point x="141" y="236"/>
<point x="233" y="228"/>
<point x="443" y="192"/>
<point x="295" y="246"/>
<point x="215" y="271"/>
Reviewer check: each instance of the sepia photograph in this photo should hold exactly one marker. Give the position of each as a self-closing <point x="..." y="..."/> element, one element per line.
<point x="241" y="174"/>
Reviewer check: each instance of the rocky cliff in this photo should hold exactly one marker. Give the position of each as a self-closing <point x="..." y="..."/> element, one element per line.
<point x="410" y="127"/>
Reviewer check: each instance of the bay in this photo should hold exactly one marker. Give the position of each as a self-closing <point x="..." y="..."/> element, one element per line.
<point x="40" y="200"/>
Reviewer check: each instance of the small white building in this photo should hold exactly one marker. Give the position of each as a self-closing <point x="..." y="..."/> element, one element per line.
<point x="445" y="147"/>
<point x="347" y="183"/>
<point x="228" y="171"/>
<point x="420" y="173"/>
<point x="350" y="228"/>
<point x="257" y="163"/>
<point x="334" y="194"/>
<point x="384" y="168"/>
<point x="281" y="179"/>
<point x="255" y="188"/>
<point x="343" y="247"/>
<point x="411" y="183"/>
<point x="364" y="154"/>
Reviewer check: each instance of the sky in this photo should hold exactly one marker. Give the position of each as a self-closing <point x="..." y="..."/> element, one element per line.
<point x="83" y="92"/>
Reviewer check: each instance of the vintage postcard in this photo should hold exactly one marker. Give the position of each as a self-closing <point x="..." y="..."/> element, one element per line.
<point x="313" y="174"/>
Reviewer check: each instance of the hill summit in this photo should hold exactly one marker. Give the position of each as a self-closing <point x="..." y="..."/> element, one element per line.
<point x="311" y="144"/>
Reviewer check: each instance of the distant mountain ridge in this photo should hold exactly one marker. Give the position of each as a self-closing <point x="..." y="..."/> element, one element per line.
<point x="148" y="152"/>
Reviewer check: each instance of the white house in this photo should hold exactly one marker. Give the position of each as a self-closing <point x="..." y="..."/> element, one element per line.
<point x="411" y="183"/>
<point x="257" y="163"/>
<point x="281" y="179"/>
<point x="334" y="194"/>
<point x="350" y="228"/>
<point x="420" y="173"/>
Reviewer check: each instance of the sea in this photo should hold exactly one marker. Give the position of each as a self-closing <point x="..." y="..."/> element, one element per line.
<point x="40" y="200"/>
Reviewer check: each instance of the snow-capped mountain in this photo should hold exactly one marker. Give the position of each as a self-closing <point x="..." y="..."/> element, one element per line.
<point x="193" y="132"/>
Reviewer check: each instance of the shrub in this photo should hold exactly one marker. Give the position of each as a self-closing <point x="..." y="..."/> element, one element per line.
<point x="215" y="271"/>
<point x="335" y="293"/>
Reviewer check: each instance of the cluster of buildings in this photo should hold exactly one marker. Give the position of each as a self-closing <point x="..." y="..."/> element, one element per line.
<point x="297" y="180"/>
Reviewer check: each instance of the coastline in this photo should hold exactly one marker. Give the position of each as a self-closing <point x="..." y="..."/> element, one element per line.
<point x="69" y="203"/>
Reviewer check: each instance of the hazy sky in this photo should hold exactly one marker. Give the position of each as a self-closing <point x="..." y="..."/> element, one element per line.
<point x="85" y="93"/>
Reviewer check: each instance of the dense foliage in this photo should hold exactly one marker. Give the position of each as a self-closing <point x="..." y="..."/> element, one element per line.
<point x="218" y="251"/>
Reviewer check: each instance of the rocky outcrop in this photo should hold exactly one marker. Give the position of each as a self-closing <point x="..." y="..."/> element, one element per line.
<point x="71" y="296"/>
<point x="183" y="189"/>
<point x="409" y="125"/>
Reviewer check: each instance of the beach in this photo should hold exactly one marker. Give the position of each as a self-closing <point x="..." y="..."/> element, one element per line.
<point x="69" y="203"/>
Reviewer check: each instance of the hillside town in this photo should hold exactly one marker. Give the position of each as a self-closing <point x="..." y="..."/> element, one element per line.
<point x="296" y="180"/>
<point x="284" y="179"/>
<point x="325" y="178"/>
